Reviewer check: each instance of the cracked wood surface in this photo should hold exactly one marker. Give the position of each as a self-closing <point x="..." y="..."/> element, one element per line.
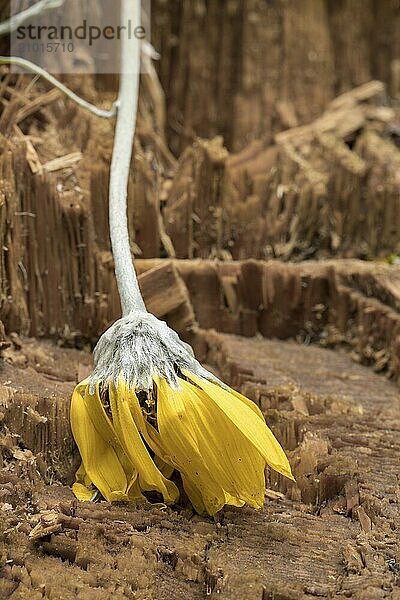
<point x="333" y="534"/>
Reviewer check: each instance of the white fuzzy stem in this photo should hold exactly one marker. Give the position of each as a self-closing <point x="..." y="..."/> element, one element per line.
<point x="131" y="298"/>
<point x="16" y="20"/>
<point x="128" y="287"/>
<point x="30" y="66"/>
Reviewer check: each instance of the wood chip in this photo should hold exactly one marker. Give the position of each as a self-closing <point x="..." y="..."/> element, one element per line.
<point x="62" y="162"/>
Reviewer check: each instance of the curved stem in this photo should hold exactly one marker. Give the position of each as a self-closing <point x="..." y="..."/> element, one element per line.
<point x="30" y="66"/>
<point x="128" y="287"/>
<point x="16" y="20"/>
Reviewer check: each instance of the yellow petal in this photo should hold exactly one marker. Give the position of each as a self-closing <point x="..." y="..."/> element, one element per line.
<point x="234" y="462"/>
<point x="83" y="487"/>
<point x="149" y="433"/>
<point x="179" y="438"/>
<point x="118" y="497"/>
<point x="81" y="492"/>
<point x="194" y="495"/>
<point x="103" y="424"/>
<point x="82" y="477"/>
<point x="151" y="436"/>
<point x="101" y="421"/>
<point x="249" y="423"/>
<point x="100" y="461"/>
<point x="163" y="467"/>
<point x="150" y="478"/>
<point x="233" y="501"/>
<point x="134" y="491"/>
<point x="248" y="403"/>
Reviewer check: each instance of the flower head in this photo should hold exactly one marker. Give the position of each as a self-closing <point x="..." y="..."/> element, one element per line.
<point x="150" y="408"/>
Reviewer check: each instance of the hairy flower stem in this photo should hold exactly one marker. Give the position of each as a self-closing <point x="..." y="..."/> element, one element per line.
<point x="131" y="298"/>
<point x="126" y="105"/>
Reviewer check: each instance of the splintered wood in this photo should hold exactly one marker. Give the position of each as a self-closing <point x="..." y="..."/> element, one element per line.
<point x="338" y="303"/>
<point x="194" y="213"/>
<point x="334" y="532"/>
<point x="330" y="188"/>
<point x="166" y="296"/>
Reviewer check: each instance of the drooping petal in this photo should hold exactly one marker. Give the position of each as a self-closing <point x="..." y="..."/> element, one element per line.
<point x="81" y="492"/>
<point x="149" y="433"/>
<point x="248" y="403"/>
<point x="83" y="487"/>
<point x="102" y="422"/>
<point x="177" y="432"/>
<point x="134" y="492"/>
<point x="235" y="463"/>
<point x="249" y="423"/>
<point x="194" y="495"/>
<point x="100" y="461"/>
<point x="163" y="466"/>
<point x="150" y="478"/>
<point x="236" y="501"/>
<point x="98" y="415"/>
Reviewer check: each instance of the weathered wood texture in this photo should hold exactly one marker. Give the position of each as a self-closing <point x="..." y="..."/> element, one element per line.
<point x="326" y="302"/>
<point x="310" y="177"/>
<point x="55" y="262"/>
<point x="328" y="188"/>
<point x="346" y="303"/>
<point x="267" y="66"/>
<point x="332" y="534"/>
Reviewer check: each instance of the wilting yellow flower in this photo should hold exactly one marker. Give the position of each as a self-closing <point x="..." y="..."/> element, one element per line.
<point x="216" y="438"/>
<point x="149" y="406"/>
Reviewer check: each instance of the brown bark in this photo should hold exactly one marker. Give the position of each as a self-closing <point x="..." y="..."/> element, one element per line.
<point x="266" y="64"/>
<point x="314" y="193"/>
<point x="326" y="189"/>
